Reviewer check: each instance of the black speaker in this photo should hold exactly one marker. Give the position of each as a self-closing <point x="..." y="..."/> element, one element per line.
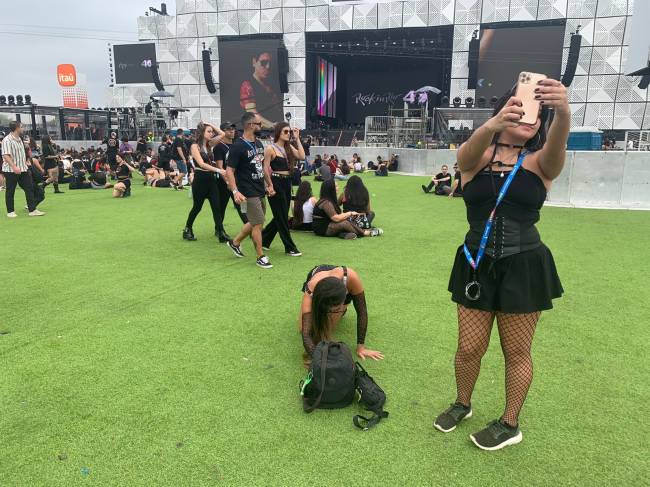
<point x="156" y="77"/>
<point x="207" y="71"/>
<point x="572" y="59"/>
<point x="283" y="69"/>
<point x="472" y="63"/>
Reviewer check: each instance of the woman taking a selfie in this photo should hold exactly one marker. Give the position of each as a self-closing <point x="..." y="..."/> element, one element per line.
<point x="507" y="169"/>
<point x="327" y="292"/>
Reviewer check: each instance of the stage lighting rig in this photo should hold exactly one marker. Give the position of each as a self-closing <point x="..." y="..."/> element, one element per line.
<point x="444" y="101"/>
<point x="481" y="102"/>
<point x="457" y="102"/>
<point x="493" y="101"/>
<point x="469" y="102"/>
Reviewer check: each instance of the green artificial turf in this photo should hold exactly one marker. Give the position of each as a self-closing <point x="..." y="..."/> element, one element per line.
<point x="130" y="357"/>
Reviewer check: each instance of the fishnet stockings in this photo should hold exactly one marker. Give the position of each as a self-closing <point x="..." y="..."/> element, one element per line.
<point x="516" y="332"/>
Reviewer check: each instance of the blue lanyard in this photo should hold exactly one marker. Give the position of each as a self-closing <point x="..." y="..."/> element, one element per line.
<point x="252" y="146"/>
<point x="490" y="220"/>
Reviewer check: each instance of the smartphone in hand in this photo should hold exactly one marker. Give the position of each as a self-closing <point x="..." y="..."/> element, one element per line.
<point x="526" y="85"/>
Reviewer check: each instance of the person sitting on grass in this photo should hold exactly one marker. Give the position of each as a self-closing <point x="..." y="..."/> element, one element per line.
<point x="156" y="178"/>
<point x="123" y="170"/>
<point x="303" y="208"/>
<point x="330" y="222"/>
<point x="355" y="197"/>
<point x="456" y="187"/>
<point x="357" y="165"/>
<point x="441" y="181"/>
<point x="382" y="167"/>
<point x="99" y="178"/>
<point x="327" y="292"/>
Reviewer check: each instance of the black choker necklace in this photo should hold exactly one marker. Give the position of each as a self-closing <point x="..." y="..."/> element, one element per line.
<point x="511" y="146"/>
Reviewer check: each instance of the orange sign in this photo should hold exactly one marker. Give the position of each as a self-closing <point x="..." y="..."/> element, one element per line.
<point x="66" y="74"/>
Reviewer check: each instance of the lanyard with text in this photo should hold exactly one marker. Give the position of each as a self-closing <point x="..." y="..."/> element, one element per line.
<point x="473" y="289"/>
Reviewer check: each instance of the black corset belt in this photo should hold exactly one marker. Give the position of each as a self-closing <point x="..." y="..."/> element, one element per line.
<point x="508" y="237"/>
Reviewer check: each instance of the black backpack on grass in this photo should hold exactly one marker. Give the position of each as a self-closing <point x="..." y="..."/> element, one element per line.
<point x="331" y="380"/>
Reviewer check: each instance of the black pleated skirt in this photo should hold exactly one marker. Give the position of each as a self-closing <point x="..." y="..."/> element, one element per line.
<point x="522" y="283"/>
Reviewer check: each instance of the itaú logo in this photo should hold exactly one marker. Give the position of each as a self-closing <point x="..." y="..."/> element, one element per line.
<point x="66" y="74"/>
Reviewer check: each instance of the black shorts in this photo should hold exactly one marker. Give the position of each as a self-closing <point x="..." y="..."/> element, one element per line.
<point x="112" y="160"/>
<point x="522" y="283"/>
<point x="127" y="182"/>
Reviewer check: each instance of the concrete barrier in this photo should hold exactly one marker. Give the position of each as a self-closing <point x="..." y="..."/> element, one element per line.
<point x="590" y="179"/>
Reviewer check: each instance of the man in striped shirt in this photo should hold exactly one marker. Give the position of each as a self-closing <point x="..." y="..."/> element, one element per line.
<point x="16" y="170"/>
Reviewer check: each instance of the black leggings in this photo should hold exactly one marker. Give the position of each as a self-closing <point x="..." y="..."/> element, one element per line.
<point x="204" y="187"/>
<point x="224" y="195"/>
<point x="280" y="204"/>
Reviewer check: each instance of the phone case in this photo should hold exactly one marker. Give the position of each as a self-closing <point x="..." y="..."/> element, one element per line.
<point x="526" y="93"/>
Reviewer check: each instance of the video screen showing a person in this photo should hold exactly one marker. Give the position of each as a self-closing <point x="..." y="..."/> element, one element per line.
<point x="258" y="95"/>
<point x="250" y="80"/>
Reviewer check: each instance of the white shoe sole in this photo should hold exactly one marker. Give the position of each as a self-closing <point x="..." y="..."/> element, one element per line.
<point x="299" y="254"/>
<point x="512" y="441"/>
<point x="263" y="266"/>
<point x="440" y="428"/>
<point x="233" y="251"/>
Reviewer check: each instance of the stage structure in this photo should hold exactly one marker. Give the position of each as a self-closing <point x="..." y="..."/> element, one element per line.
<point x="600" y="94"/>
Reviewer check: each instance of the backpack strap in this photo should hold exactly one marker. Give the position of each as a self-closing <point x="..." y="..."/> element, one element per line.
<point x="345" y="276"/>
<point x="365" y="424"/>
<point x="323" y="370"/>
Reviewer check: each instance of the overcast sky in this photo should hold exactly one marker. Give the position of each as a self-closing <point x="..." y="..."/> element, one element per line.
<point x="37" y="35"/>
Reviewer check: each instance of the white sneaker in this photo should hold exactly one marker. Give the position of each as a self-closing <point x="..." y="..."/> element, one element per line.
<point x="36" y="213"/>
<point x="12" y="214"/>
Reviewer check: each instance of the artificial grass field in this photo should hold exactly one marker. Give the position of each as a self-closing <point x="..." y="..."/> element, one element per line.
<point x="131" y="357"/>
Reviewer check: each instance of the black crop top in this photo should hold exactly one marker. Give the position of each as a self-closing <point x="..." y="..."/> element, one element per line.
<point x="123" y="172"/>
<point x="279" y="163"/>
<point x="208" y="158"/>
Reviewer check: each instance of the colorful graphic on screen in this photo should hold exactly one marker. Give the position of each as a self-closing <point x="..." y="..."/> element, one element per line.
<point x="326" y="94"/>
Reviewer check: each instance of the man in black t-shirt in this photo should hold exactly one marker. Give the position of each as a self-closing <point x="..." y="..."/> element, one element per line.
<point x="441" y="181"/>
<point x="456" y="189"/>
<point x="179" y="154"/>
<point x="221" y="151"/>
<point x="164" y="155"/>
<point x="248" y="181"/>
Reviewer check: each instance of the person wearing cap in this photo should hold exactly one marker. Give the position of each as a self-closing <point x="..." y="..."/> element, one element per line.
<point x="220" y="152"/>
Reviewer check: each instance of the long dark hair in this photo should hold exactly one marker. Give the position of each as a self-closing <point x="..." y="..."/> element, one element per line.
<point x="302" y="195"/>
<point x="277" y="132"/>
<point x="539" y="139"/>
<point x="328" y="292"/>
<point x="328" y="193"/>
<point x="199" y="137"/>
<point x="46" y="140"/>
<point x="356" y="193"/>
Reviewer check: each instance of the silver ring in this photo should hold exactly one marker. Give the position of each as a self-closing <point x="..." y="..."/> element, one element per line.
<point x="473" y="296"/>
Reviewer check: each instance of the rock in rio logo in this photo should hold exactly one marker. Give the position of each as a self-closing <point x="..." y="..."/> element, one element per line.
<point x="66" y="74"/>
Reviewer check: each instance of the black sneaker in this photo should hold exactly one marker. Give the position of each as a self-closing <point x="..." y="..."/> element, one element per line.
<point x="497" y="435"/>
<point x="264" y="262"/>
<point x="222" y="236"/>
<point x="448" y="420"/>
<point x="235" y="249"/>
<point x="294" y="253"/>
<point x="425" y="189"/>
<point x="188" y="234"/>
